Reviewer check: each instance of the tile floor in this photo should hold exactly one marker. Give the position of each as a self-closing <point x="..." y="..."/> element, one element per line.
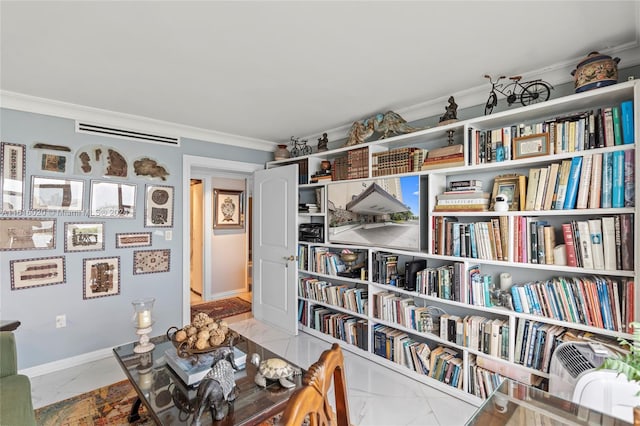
<point x="377" y="395"/>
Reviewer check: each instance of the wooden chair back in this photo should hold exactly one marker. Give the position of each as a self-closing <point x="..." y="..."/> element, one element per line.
<point x="312" y="400"/>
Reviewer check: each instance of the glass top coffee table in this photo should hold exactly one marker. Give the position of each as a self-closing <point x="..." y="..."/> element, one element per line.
<point x="170" y="402"/>
<point x="515" y="404"/>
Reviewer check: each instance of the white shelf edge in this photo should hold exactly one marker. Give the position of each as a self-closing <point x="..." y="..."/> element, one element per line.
<point x="334" y="307"/>
<point x="574" y="212"/>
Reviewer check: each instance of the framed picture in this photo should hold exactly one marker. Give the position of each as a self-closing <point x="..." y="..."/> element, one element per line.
<point x="26" y="273"/>
<point x="133" y="239"/>
<point x="56" y="194"/>
<point x="27" y="234"/>
<point x="112" y="200"/>
<point x="531" y="146"/>
<point x="508" y="185"/>
<point x="151" y="261"/>
<point x="101" y="277"/>
<point x="84" y="236"/>
<point x="54" y="163"/>
<point x="12" y="176"/>
<point x="158" y="206"/>
<point x="228" y="209"/>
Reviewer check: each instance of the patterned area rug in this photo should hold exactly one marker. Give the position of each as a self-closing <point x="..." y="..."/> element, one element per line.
<point x="109" y="405"/>
<point x="222" y="308"/>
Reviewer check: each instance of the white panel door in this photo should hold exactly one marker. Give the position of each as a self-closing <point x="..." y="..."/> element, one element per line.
<point x="275" y="269"/>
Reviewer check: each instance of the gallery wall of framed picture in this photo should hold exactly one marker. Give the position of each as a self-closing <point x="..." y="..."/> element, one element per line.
<point x="72" y="201"/>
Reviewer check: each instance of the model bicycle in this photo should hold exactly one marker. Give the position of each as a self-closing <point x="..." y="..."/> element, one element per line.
<point x="300" y="147"/>
<point x="527" y="92"/>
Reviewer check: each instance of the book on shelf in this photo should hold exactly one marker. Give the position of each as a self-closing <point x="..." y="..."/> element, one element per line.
<point x="550" y="190"/>
<point x="606" y="190"/>
<point x="617" y="180"/>
<point x="192" y="369"/>
<point x="629" y="178"/>
<point x="609" y="138"/>
<point x="532" y="187"/>
<point x="597" y="246"/>
<point x="582" y="199"/>
<point x="627" y="251"/>
<point x="617" y="125"/>
<point x="596" y="181"/>
<point x="586" y="250"/>
<point x="563" y="181"/>
<point x="627" y="122"/>
<point x="572" y="184"/>
<point x="540" y="190"/>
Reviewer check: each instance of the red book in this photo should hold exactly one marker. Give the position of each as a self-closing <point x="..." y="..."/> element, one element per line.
<point x="570" y="248"/>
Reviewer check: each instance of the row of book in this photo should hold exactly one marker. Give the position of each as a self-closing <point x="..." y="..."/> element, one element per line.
<point x="347" y="328"/>
<point x="597" y="301"/>
<point x="601" y="244"/>
<point x="395" y="161"/>
<point x="303" y="257"/>
<point x="482" y="381"/>
<point x="479" y="240"/>
<point x="385" y="268"/>
<point x="341" y="295"/>
<point x="446" y="156"/>
<point x="441" y="363"/>
<point x="490" y="336"/>
<point x="535" y="343"/>
<point x="354" y="165"/>
<point x="603" y="180"/>
<point x="326" y="262"/>
<point x="597" y="128"/>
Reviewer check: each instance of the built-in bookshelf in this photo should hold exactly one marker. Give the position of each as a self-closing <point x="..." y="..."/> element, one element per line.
<point x="486" y="293"/>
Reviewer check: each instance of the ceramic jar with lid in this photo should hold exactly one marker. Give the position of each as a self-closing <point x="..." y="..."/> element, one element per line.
<point x="282" y="153"/>
<point x="596" y="70"/>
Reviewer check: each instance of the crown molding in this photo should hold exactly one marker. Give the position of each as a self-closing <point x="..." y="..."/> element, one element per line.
<point x="37" y="105"/>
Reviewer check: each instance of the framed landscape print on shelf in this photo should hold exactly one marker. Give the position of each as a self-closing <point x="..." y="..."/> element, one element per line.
<point x="133" y="239"/>
<point x="101" y="277"/>
<point x="56" y="194"/>
<point x="27" y="234"/>
<point x="228" y="209"/>
<point x="12" y="176"/>
<point x="27" y="273"/>
<point x="84" y="236"/>
<point x="151" y="261"/>
<point x="158" y="206"/>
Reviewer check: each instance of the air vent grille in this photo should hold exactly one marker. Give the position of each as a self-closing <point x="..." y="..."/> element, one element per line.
<point x="573" y="360"/>
<point x="125" y="133"/>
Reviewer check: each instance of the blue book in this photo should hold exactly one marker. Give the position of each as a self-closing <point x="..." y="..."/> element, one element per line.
<point x="572" y="184"/>
<point x="515" y="296"/>
<point x="486" y="289"/>
<point x="617" y="176"/>
<point x="456" y="239"/>
<point x="472" y="235"/>
<point x="607" y="180"/>
<point x="626" y="119"/>
<point x="629" y="178"/>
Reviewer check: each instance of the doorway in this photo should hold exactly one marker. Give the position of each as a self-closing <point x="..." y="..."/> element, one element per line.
<point x="202" y="169"/>
<point x="197" y="241"/>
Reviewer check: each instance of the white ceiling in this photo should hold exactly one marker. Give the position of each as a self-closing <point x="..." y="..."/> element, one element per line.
<point x="269" y="70"/>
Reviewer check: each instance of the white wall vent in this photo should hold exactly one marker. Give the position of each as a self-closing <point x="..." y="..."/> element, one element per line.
<point x="115" y="132"/>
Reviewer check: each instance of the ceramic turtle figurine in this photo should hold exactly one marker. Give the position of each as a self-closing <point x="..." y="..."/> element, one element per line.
<point x="274" y="369"/>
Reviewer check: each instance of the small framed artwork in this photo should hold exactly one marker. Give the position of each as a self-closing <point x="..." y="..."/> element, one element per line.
<point x="228" y="209"/>
<point x="158" y="206"/>
<point x="508" y="185"/>
<point x="12" y="176"/>
<point x="54" y="163"/>
<point x="27" y="234"/>
<point x="101" y="277"/>
<point x="56" y="194"/>
<point x="133" y="239"/>
<point x="84" y="236"/>
<point x="26" y="273"/>
<point x="112" y="200"/>
<point x="151" y="261"/>
<point x="531" y="146"/>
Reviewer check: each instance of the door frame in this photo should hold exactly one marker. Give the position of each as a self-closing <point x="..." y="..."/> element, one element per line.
<point x="195" y="165"/>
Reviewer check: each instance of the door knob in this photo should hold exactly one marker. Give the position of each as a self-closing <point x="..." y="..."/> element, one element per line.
<point x="290" y="258"/>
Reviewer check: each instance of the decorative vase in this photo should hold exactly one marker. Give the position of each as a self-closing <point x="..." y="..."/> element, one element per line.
<point x="281" y="153"/>
<point x="595" y="71"/>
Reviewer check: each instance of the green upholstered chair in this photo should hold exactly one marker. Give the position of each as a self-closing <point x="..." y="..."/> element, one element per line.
<point x="16" y="408"/>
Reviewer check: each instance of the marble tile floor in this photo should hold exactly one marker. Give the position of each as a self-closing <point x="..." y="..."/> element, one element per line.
<point x="377" y="395"/>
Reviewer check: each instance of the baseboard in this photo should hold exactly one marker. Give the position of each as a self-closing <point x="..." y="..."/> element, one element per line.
<point x="62" y="364"/>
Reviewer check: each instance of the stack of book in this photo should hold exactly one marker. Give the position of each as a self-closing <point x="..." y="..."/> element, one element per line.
<point x="466" y="195"/>
<point x="321" y="176"/>
<point x="308" y="208"/>
<point x="447" y="156"/>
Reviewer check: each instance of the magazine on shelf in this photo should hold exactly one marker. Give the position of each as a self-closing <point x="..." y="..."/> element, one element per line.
<point x="193" y="369"/>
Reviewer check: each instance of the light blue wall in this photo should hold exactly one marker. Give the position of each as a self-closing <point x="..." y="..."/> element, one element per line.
<point x="104" y="322"/>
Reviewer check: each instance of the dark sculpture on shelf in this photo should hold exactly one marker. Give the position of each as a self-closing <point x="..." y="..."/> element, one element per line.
<point x="387" y="124"/>
<point x="217" y="389"/>
<point x="451" y="111"/>
<point x="323" y="142"/>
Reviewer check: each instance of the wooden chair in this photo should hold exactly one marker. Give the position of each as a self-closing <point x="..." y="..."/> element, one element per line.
<point x="312" y="401"/>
